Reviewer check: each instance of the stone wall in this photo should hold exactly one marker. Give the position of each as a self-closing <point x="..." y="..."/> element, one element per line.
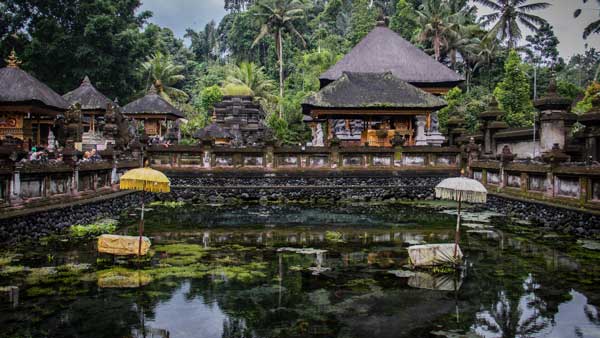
<point x="547" y="217"/>
<point x="221" y="189"/>
<point x="41" y="224"/>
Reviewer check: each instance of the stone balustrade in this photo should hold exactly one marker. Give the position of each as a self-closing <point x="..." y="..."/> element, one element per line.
<point x="31" y="184"/>
<point x="567" y="184"/>
<point x="202" y="157"/>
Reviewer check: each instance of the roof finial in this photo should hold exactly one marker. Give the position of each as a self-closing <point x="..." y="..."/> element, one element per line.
<point x="86" y="81"/>
<point x="13" y="61"/>
<point x="152" y="90"/>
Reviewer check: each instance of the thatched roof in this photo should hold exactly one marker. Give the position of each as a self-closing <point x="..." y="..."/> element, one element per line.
<point x="382" y="50"/>
<point x="212" y="131"/>
<point x="152" y="104"/>
<point x="18" y="87"/>
<point x="88" y="96"/>
<point x="370" y="90"/>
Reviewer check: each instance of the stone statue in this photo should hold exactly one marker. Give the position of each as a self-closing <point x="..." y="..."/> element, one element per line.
<point x="434" y="125"/>
<point x="117" y="127"/>
<point x="59" y="129"/>
<point x="173" y="134"/>
<point x="317" y="140"/>
<point x="472" y="150"/>
<point x="398" y="140"/>
<point x="73" y="123"/>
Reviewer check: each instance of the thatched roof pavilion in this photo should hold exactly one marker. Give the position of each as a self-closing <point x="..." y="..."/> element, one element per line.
<point x="93" y="103"/>
<point x="370" y="93"/>
<point x="383" y="87"/>
<point x="383" y="50"/>
<point x="152" y="109"/>
<point x="27" y="106"/>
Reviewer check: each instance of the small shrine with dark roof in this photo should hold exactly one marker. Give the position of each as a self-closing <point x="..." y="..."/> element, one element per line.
<point x="27" y="106"/>
<point x="93" y="106"/>
<point x="156" y="113"/>
<point x="384" y="88"/>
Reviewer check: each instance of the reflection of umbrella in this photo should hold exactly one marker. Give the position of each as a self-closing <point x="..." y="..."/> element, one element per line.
<point x="461" y="189"/>
<point x="144" y="179"/>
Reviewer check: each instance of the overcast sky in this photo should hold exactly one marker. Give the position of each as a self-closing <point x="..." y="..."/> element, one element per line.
<point x="181" y="14"/>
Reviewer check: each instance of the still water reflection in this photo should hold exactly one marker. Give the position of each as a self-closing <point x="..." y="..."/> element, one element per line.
<point x="302" y="271"/>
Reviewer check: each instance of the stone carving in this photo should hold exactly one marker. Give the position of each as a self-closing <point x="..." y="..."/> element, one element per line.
<point x="73" y="124"/>
<point x="398" y="140"/>
<point x="173" y="134"/>
<point x="347" y="129"/>
<point x="59" y="129"/>
<point x="317" y="140"/>
<point x="117" y="127"/>
<point x="434" y="125"/>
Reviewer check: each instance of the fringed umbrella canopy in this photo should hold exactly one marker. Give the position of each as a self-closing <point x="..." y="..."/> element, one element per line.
<point x="145" y="179"/>
<point x="465" y="189"/>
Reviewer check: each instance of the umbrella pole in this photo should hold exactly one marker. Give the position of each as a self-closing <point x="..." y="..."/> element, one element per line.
<point x="141" y="227"/>
<point x="457" y="233"/>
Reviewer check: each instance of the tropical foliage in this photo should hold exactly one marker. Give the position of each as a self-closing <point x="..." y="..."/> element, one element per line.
<point x="276" y="49"/>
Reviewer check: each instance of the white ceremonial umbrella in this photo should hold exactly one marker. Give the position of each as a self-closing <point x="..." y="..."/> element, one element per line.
<point x="461" y="189"/>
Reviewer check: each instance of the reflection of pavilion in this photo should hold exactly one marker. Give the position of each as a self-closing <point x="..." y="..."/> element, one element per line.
<point x="383" y="87"/>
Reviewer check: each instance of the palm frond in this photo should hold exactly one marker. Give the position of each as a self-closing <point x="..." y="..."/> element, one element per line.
<point x="489" y="3"/>
<point x="592" y="28"/>
<point x="534" y="7"/>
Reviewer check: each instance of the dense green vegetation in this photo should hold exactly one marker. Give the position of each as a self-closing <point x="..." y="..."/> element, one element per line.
<point x="278" y="48"/>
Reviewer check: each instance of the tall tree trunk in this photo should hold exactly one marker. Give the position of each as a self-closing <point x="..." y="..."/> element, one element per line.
<point x="436" y="46"/>
<point x="280" y="73"/>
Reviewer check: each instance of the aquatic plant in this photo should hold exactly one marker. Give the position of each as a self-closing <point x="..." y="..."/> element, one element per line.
<point x="167" y="204"/>
<point x="361" y="284"/>
<point x="119" y="277"/>
<point x="6" y="258"/>
<point x="180" y="254"/>
<point x="334" y="237"/>
<point x="103" y="226"/>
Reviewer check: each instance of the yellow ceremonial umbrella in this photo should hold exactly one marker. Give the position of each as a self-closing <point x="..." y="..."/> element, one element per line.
<point x="144" y="179"/>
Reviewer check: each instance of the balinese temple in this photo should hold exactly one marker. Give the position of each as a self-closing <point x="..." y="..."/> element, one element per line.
<point x="27" y="106"/>
<point x="93" y="106"/>
<point x="154" y="112"/>
<point x="241" y="117"/>
<point x="384" y="86"/>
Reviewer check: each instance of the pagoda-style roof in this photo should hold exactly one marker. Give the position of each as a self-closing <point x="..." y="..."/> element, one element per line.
<point x="88" y="96"/>
<point x="552" y="100"/>
<point x="372" y="90"/>
<point x="18" y="87"/>
<point x="212" y="131"/>
<point x="152" y="105"/>
<point x="382" y="50"/>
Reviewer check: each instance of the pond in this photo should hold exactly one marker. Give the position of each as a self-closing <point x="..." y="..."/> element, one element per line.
<point x="304" y="271"/>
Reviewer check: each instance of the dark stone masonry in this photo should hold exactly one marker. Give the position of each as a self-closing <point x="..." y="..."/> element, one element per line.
<point x="41" y="224"/>
<point x="286" y="188"/>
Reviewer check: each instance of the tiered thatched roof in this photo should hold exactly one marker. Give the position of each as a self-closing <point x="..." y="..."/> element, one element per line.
<point x="382" y="50"/>
<point x="154" y="105"/>
<point x="88" y="96"/>
<point x="17" y="87"/>
<point x="372" y="90"/>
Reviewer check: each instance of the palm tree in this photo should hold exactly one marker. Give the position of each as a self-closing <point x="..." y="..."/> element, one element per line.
<point x="252" y="76"/>
<point x="508" y="14"/>
<point x="435" y="18"/>
<point x="277" y="17"/>
<point x="593" y="27"/>
<point x="163" y="73"/>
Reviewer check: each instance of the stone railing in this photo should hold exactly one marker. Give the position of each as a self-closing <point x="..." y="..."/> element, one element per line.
<point x="568" y="184"/>
<point x="207" y="158"/>
<point x="31" y="184"/>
